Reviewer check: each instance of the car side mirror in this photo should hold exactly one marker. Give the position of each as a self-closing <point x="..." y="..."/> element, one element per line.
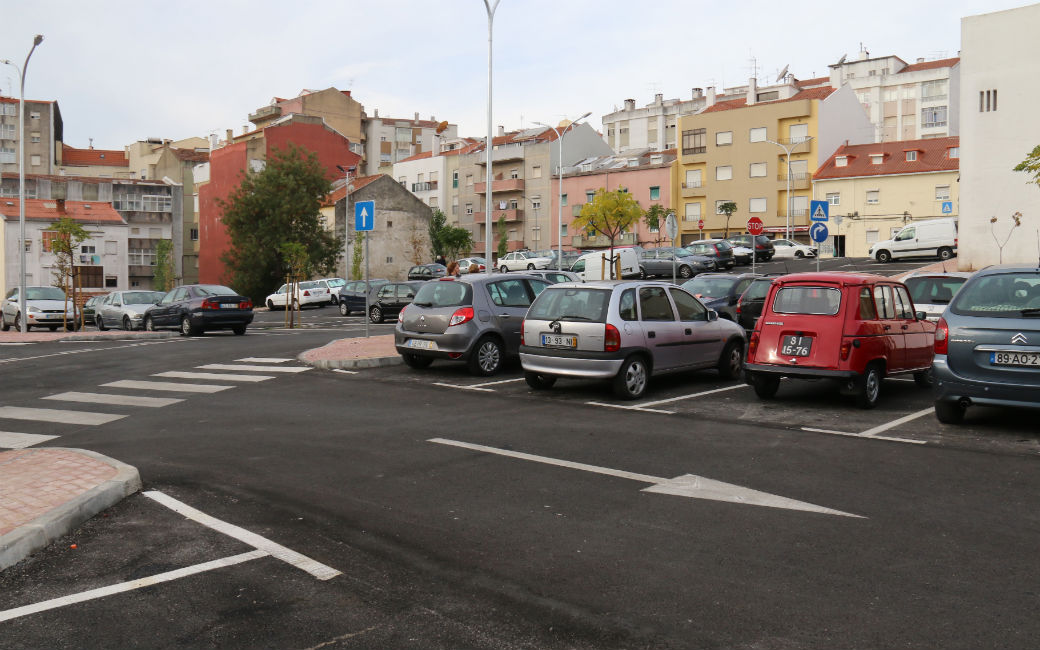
<point x="712" y="315"/>
<point x="921" y="315"/>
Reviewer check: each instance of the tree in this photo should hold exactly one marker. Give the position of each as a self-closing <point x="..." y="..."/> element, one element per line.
<point x="277" y="205"/>
<point x="609" y="214"/>
<point x="357" y="255"/>
<point x="1031" y="165"/>
<point x="447" y="240"/>
<point x="1016" y="220"/>
<point x="162" y="277"/>
<point x="438" y="222"/>
<point x="503" y="237"/>
<point x="69" y="235"/>
<point x="727" y="208"/>
<point x="417" y="245"/>
<point x="654" y="219"/>
<point x="297" y="262"/>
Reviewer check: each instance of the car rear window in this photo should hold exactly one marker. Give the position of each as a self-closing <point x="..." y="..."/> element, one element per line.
<point x="444" y="294"/>
<point x="723" y="245"/>
<point x="214" y="290"/>
<point x="714" y="287"/>
<point x="807" y="300"/>
<point x="574" y="304"/>
<point x="933" y="290"/>
<point x="1002" y="295"/>
<point x="310" y="284"/>
<point x="141" y="297"/>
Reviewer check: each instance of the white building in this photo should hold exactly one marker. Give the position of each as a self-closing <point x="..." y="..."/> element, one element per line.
<point x="389" y="140"/>
<point x="1000" y="62"/>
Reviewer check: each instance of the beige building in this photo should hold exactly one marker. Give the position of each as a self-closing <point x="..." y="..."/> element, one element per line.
<point x="390" y="140"/>
<point x="43" y="135"/>
<point x="337" y="107"/>
<point x="873" y="190"/>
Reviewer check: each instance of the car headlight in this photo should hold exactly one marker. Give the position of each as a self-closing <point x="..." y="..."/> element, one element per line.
<point x="33" y="309"/>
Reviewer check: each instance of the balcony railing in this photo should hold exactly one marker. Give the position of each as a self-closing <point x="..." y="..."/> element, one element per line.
<point x="425" y="186"/>
<point x="693" y="189"/>
<point x="800" y="212"/>
<point x="265" y="112"/>
<point x="504" y="185"/>
<point x="799" y="181"/>
<point x="934" y="98"/>
<point x="511" y="214"/>
<point x="796" y="140"/>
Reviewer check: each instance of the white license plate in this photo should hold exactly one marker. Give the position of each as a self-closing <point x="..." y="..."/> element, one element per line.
<point x="559" y="341"/>
<point x="421" y="344"/>
<point x="229" y="305"/>
<point x="1031" y="359"/>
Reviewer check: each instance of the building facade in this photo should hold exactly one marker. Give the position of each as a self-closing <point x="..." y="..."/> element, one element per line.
<point x="95" y="163"/>
<point x="390" y="140"/>
<point x="338" y="108"/>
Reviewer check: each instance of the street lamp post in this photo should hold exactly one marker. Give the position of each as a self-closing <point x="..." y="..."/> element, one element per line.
<point x="788" y="152"/>
<point x="21" y="179"/>
<point x="559" y="202"/>
<point x="491" y="6"/>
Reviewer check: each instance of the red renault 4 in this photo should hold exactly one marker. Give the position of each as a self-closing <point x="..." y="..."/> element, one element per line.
<point x="851" y="327"/>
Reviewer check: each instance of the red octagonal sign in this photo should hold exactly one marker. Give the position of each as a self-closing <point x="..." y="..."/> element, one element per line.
<point x="754" y="226"/>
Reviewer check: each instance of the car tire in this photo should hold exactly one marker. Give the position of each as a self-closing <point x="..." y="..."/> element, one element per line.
<point x="945" y="253"/>
<point x="883" y="257"/>
<point x="333" y="300"/>
<point x="415" y="361"/>
<point x="127" y="325"/>
<point x="487" y="356"/>
<point x="924" y="379"/>
<point x="70" y="326"/>
<point x="239" y="330"/>
<point x="538" y="381"/>
<point x="53" y="328"/>
<point x="3" y="324"/>
<point x="731" y="360"/>
<point x="270" y="304"/>
<point x="799" y="254"/>
<point x="375" y="314"/>
<point x="99" y="322"/>
<point x="949" y="412"/>
<point x="685" y="272"/>
<point x="631" y="381"/>
<point x="186" y="327"/>
<point x="343" y="309"/>
<point x="149" y="324"/>
<point x="642" y="273"/>
<point x="18" y="323"/>
<point x="765" y="386"/>
<point x="868" y="387"/>
<point x="503" y="269"/>
<point x="530" y="267"/>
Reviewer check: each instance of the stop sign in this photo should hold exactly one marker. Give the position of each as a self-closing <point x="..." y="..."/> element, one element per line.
<point x="754" y="226"/>
<point x="700" y="224"/>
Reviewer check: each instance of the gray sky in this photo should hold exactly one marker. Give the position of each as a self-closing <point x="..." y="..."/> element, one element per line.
<point x="124" y="71"/>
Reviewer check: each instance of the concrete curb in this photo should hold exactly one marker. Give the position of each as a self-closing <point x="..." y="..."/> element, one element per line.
<point x="346" y="364"/>
<point x="22" y="542"/>
<point x="132" y="335"/>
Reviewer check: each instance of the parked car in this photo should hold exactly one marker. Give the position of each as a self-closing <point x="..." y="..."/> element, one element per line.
<point x="89" y="309"/>
<point x="719" y="250"/>
<point x="196" y="308"/>
<point x="750" y="303"/>
<point x="523" y="260"/>
<point x="787" y="249"/>
<point x="625" y="332"/>
<point x="594" y="265"/>
<point x="742" y="255"/>
<point x="352" y="295"/>
<point x="333" y="285"/>
<point x="569" y="258"/>
<point x="854" y="328"/>
<point x="932" y="238"/>
<point x="666" y="260"/>
<point x="388" y="300"/>
<point x="427" y="272"/>
<point x="554" y="276"/>
<point x="932" y="292"/>
<point x="445" y="321"/>
<point x="311" y="292"/>
<point x="125" y="309"/>
<point x="467" y="262"/>
<point x="762" y="245"/>
<point x="45" y="307"/>
<point x="987" y="343"/>
<point x="720" y="291"/>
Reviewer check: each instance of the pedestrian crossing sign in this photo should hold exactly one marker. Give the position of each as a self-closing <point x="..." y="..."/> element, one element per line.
<point x="818" y="210"/>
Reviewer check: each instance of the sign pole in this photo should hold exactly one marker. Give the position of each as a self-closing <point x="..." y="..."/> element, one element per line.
<point x="367" y="287"/>
<point x="671" y="228"/>
<point x="364" y="221"/>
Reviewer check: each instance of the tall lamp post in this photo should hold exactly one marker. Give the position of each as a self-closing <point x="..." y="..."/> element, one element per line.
<point x="491" y="6"/>
<point x="789" y="151"/>
<point x="559" y="202"/>
<point x="21" y="179"/>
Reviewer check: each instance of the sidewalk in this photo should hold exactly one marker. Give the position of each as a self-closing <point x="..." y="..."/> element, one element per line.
<point x="357" y="352"/>
<point x="46" y="492"/>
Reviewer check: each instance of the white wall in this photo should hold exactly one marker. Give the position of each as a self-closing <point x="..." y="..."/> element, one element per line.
<point x="40" y="265"/>
<point x="841" y="118"/>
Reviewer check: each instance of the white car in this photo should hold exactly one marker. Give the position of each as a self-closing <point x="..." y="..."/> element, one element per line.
<point x="466" y="262"/>
<point x="785" y="249"/>
<point x="45" y="307"/>
<point x="333" y="285"/>
<point x="522" y="261"/>
<point x="311" y="292"/>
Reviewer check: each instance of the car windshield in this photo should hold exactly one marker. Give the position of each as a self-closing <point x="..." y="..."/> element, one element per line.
<point x="710" y="286"/>
<point x="807" y="300"/>
<point x="336" y="282"/>
<point x="142" y="297"/>
<point x="1004" y="295"/>
<point x="757" y="290"/>
<point x="934" y="290"/>
<point x="574" y="304"/>
<point x="700" y="249"/>
<point x="444" y="294"/>
<point x="44" y="293"/>
<point x="215" y="290"/>
<point x="310" y="284"/>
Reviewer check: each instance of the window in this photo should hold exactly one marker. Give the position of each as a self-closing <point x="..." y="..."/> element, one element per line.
<point x="469" y="180"/>
<point x="718" y="205"/>
<point x="911" y="156"/>
<point x="953" y="152"/>
<point x="589" y="195"/>
<point x="455" y="179"/>
<point x="891" y="94"/>
<point x="655" y="193"/>
<point x="563" y="199"/>
<point x="154" y="233"/>
<point x="799" y="132"/>
<point x="723" y="173"/>
<point x="627" y="305"/>
<point x="758" y="170"/>
<point x="403" y="180"/>
<point x="654" y="304"/>
<point x="723" y="138"/>
<point x="28" y="245"/>
<point x="690" y="309"/>
<point x="34" y="137"/>
<point x="757" y="134"/>
<point x="873" y="197"/>
<point x="8" y="132"/>
<point x="536" y="203"/>
<point x="841" y="161"/>
<point x="7" y="155"/>
<point x="563" y="230"/>
<point x="87" y="250"/>
<point x="194" y="234"/>
<point x="8" y="109"/>
<point x="47" y="239"/>
<point x="693" y="178"/>
<point x="877" y="158"/>
<point x="536" y="171"/>
<point x="469" y="209"/>
<point x="693" y="212"/>
<point x="942" y="192"/>
<point x="514" y="174"/>
<point x="34" y="160"/>
<point x="990" y="103"/>
<point x="693" y="141"/>
<point x="933" y="90"/>
<point x="141" y="257"/>
<point x="933" y="117"/>
<point x="883" y="300"/>
<point x="111" y="282"/>
<point x="34" y="115"/>
<point x="872" y="236"/>
<point x="757" y="205"/>
<point x="157" y="203"/>
<point x="834" y="198"/>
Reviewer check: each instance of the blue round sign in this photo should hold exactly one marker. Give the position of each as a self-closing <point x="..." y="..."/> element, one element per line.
<point x="818" y="232"/>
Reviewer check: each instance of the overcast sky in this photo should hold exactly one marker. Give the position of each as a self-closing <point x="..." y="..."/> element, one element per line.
<point x="125" y="71"/>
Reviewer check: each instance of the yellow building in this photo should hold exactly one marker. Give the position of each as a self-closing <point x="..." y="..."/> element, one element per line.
<point x="738" y="151"/>
<point x="875" y="189"/>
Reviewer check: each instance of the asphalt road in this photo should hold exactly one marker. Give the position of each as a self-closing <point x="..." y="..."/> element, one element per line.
<point x="466" y="513"/>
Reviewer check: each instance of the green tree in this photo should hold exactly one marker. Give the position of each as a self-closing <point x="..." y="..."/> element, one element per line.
<point x="438" y="223"/>
<point x="609" y="214"/>
<point x="357" y="255"/>
<point x="277" y="205"/>
<point x="503" y="237"/>
<point x="454" y="240"/>
<point x="70" y="234"/>
<point x="1031" y="165"/>
<point x="727" y="208"/>
<point x="162" y="277"/>
<point x="297" y="262"/>
<point x="654" y="219"/>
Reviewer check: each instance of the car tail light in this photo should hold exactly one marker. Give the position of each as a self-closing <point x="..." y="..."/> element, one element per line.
<point x="752" y="345"/>
<point x="447" y="278"/>
<point x="306" y="293"/>
<point x="846" y="348"/>
<point x="522" y="324"/>
<point x="942" y="337"/>
<point x="611" y="339"/>
<point x="210" y="303"/>
<point x="483" y="268"/>
<point x="245" y="304"/>
<point x="461" y="315"/>
<point x="738" y="306"/>
<point x="400" y="314"/>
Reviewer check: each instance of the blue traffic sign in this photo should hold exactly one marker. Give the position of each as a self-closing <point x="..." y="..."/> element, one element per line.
<point x="818" y="232"/>
<point x="819" y="210"/>
<point x="947" y="207"/>
<point x="364" y="215"/>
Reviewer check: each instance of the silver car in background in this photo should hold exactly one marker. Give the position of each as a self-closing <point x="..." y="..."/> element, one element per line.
<point x="124" y="309"/>
<point x="626" y="332"/>
<point x="932" y="292"/>
<point x="46" y="307"/>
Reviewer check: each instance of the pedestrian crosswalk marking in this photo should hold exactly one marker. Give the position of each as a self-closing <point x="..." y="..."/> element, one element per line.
<point x="178" y="374"/>
<point x="57" y="415"/>
<point x="119" y="400"/>
<point x="264" y="360"/>
<point x="248" y="368"/>
<point x="172" y="386"/>
<point x="11" y="440"/>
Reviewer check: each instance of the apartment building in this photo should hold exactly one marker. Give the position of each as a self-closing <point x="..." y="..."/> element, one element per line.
<point x="649" y="127"/>
<point x="760" y="152"/>
<point x="94" y="163"/>
<point x="433" y="175"/>
<point x="43" y="136"/>
<point x="338" y="108"/>
<point x="390" y="140"/>
<point x="875" y="189"/>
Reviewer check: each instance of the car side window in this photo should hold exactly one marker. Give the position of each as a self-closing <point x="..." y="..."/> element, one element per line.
<point x="906" y="308"/>
<point x="579" y="266"/>
<point x="654" y="304"/>
<point x="387" y="291"/>
<point x="537" y="286"/>
<point x="509" y="293"/>
<point x="627" y="305"/>
<point x="742" y="286"/>
<point x="866" y="305"/>
<point x="690" y="309"/>
<point x="405" y="292"/>
<point x="884" y="301"/>
<point x="167" y="299"/>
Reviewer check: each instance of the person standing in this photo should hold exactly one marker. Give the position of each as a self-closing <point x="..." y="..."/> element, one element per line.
<point x="453" y="269"/>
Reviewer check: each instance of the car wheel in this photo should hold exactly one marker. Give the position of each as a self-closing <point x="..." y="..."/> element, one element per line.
<point x="884" y="257"/>
<point x="375" y="314"/>
<point x="416" y="361"/>
<point x="149" y="324"/>
<point x="945" y="253"/>
<point x="486" y="358"/>
<point x="3" y="324"/>
<point x="799" y="254"/>
<point x="343" y="309"/>
<point x="186" y="328"/>
<point x="503" y="269"/>
<point x="924" y="379"/>
<point x="530" y="267"/>
<point x="18" y="323"/>
<point x="868" y="388"/>
<point x="239" y="330"/>
<point x="765" y="386"/>
<point x="333" y="301"/>
<point x="70" y="326"/>
<point x="685" y="272"/>
<point x="127" y="325"/>
<point x="949" y="412"/>
<point x="53" y="328"/>
<point x="642" y="273"/>
<point x="538" y="381"/>
<point x="270" y="304"/>
<point x="731" y="360"/>
<point x="100" y="323"/>
<point x="631" y="380"/>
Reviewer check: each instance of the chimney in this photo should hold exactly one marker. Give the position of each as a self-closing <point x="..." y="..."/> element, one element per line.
<point x="230" y="135"/>
<point x="433" y="118"/>
<point x="245" y="129"/>
<point x="501" y="130"/>
<point x="375" y="113"/>
<point x="436" y="142"/>
<point x="630" y="104"/>
<point x="659" y="99"/>
<point x="710" y="101"/>
<point x="752" y="91"/>
<point x="698" y="93"/>
<point x="416" y="116"/>
<point x="61" y="206"/>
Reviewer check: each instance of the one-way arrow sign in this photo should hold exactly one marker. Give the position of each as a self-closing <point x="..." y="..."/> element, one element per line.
<point x="364" y="215"/>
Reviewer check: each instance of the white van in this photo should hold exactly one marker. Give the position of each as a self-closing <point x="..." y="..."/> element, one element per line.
<point x="932" y="238"/>
<point x="596" y="265"/>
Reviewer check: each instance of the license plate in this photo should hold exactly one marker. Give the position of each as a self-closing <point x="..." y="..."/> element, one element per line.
<point x="559" y="341"/>
<point x="1015" y="359"/>
<point x="421" y="344"/>
<point x="796" y="346"/>
<point x="229" y="305"/>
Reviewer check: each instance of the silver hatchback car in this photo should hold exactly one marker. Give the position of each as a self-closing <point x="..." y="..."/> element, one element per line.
<point x="624" y="331"/>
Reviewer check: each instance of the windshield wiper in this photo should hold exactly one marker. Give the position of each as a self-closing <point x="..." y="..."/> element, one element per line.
<point x="422" y="304"/>
<point x="573" y="316"/>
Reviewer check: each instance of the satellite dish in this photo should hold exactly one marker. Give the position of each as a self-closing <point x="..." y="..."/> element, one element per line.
<point x="841" y="60"/>
<point x="783" y="73"/>
<point x="442" y="126"/>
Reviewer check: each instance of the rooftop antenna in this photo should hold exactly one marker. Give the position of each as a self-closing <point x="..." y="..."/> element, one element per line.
<point x="842" y="59"/>
<point x="754" y="65"/>
<point x="783" y="73"/>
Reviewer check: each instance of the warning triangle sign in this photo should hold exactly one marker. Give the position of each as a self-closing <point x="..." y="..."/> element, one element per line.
<point x="819" y="214"/>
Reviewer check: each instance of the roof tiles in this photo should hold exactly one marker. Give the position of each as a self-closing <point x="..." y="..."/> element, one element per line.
<point x="932" y="156"/>
<point x="106" y="157"/>
<point x="50" y="210"/>
<point x="809" y="93"/>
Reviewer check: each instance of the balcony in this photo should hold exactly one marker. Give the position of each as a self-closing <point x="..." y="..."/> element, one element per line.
<point x="794" y="141"/>
<point x="799" y="181"/>
<point x="478" y="247"/>
<point x="800" y="212"/>
<point x="511" y="215"/>
<point x="265" y="113"/>
<point x="424" y="186"/>
<point x="502" y="185"/>
<point x="502" y="153"/>
<point x="599" y="241"/>
<point x="576" y="209"/>
<point x="693" y="189"/>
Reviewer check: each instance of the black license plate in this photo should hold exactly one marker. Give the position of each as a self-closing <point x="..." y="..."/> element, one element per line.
<point x="796" y="346"/>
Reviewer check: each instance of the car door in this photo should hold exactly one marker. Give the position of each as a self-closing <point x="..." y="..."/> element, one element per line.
<point x="403" y="297"/>
<point x="661" y="330"/>
<point x="905" y="243"/>
<point x="161" y="314"/>
<point x="10" y="306"/>
<point x="701" y="341"/>
<point x="510" y="299"/>
<point x="918" y="335"/>
<point x="109" y="309"/>
<point x="892" y="332"/>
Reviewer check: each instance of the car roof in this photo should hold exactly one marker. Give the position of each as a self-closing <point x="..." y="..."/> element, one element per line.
<point x="842" y="277"/>
<point x="1004" y="268"/>
<point x="936" y="274"/>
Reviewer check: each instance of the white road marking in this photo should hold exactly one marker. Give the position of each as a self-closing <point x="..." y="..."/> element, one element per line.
<point x="345" y="372"/>
<point x="264" y="360"/>
<point x="493" y="383"/>
<point x="700" y="394"/>
<point x="22" y="343"/>
<point x="11" y="440"/>
<point x="687" y="485"/>
<point x="860" y="435"/>
<point x="57" y="415"/>
<point x="313" y="567"/>
<point x="124" y="587"/>
<point x="178" y="374"/>
<point x="630" y="408"/>
<point x="171" y="386"/>
<point x="895" y="423"/>
<point x="248" y="368"/>
<point x="120" y="400"/>
<point x="483" y="390"/>
<point x="80" y="351"/>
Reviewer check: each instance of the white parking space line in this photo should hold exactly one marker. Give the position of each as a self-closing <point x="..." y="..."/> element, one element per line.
<point x="700" y="394"/>
<point x="119" y="400"/>
<point x="124" y="587"/>
<point x="860" y="435"/>
<point x="461" y="387"/>
<point x="11" y="440"/>
<point x="171" y="386"/>
<point x="57" y="415"/>
<point x="345" y="372"/>
<point x="626" y="407"/>
<point x="493" y="383"/>
<point x="248" y="368"/>
<point x="313" y="567"/>
<point x="178" y="374"/>
<point x="264" y="360"/>
<point x="895" y="423"/>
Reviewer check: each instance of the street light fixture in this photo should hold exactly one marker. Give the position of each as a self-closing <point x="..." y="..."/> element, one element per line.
<point x="789" y="151"/>
<point x="491" y="6"/>
<point x="559" y="202"/>
<point x="21" y="180"/>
